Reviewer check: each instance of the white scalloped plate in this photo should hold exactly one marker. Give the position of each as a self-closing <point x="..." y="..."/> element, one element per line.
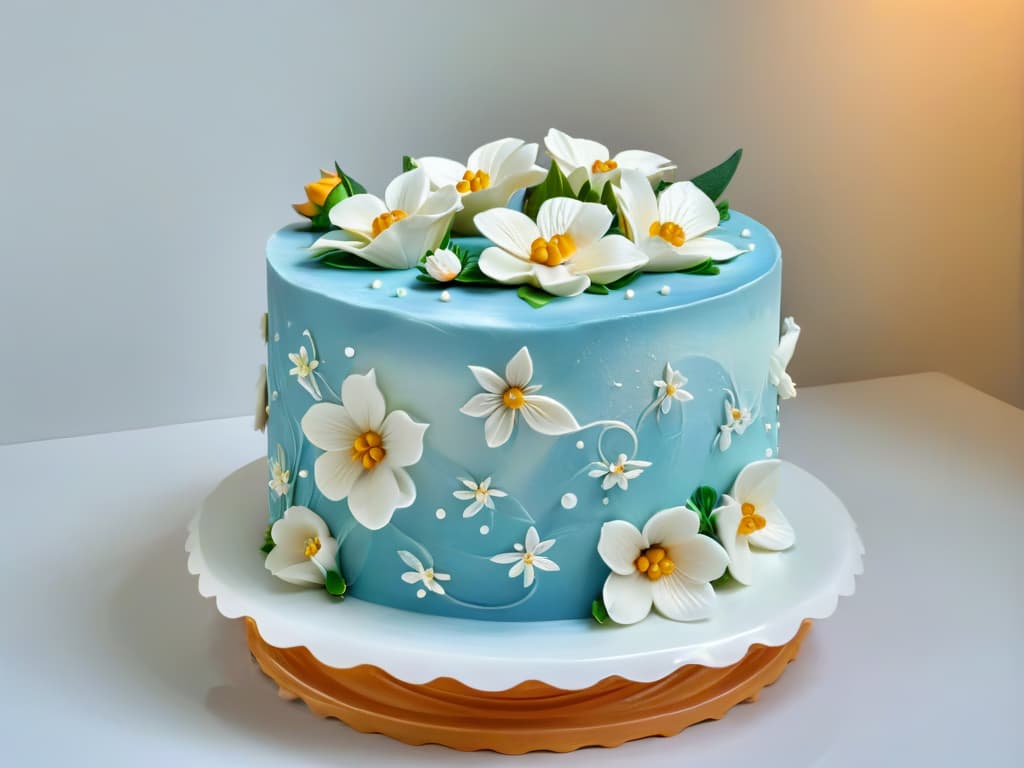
<point x="802" y="583"/>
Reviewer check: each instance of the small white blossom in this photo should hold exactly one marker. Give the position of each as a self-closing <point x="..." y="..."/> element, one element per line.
<point x="303" y="371"/>
<point x="527" y="556"/>
<point x="618" y="472"/>
<point x="481" y="493"/>
<point x="670" y="388"/>
<point x="428" y="577"/>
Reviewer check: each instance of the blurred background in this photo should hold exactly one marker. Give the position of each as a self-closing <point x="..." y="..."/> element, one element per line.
<point x="148" y="150"/>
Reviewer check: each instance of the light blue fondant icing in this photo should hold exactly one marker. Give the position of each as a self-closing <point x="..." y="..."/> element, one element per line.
<point x="597" y="355"/>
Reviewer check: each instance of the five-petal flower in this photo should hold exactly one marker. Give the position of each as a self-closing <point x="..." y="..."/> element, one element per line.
<point x="563" y="252"/>
<point x="488" y="179"/>
<point x="365" y="451"/>
<point x="781" y="355"/>
<point x="618" y="472"/>
<point x="397" y="231"/>
<point x="670" y="388"/>
<point x="527" y="556"/>
<point x="303" y="372"/>
<point x="671" y="228"/>
<point x="748" y="516"/>
<point x="737" y="419"/>
<point x="481" y="493"/>
<point x="507" y="396"/>
<point x="304" y="549"/>
<point x="667" y="564"/>
<point x="428" y="577"/>
<point x="583" y="160"/>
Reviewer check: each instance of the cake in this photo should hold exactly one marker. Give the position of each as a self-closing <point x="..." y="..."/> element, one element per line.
<point x="506" y="392"/>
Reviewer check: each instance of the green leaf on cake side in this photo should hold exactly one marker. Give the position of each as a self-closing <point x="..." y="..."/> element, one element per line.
<point x="408" y="164"/>
<point x="335" y="584"/>
<point x="707" y="267"/>
<point x="554" y="185"/>
<point x="535" y="297"/>
<point x="703" y="501"/>
<point x="598" y="611"/>
<point x="713" y="183"/>
<point x="723" y="210"/>
<point x="623" y="281"/>
<point x="268" y="541"/>
<point x="344" y="260"/>
<point x="601" y="290"/>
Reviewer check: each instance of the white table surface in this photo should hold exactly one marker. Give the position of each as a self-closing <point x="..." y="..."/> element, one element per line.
<point x="111" y="657"/>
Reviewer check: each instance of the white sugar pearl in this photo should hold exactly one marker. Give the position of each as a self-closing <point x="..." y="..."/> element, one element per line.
<point x="421" y="593"/>
<point x="630" y="293"/>
<point x="605" y="501"/>
<point x="665" y="290"/>
<point x="350" y="352"/>
<point x="303" y="473"/>
<point x="768" y="453"/>
<point x="484" y="530"/>
<point x="376" y="284"/>
<point x="440" y="514"/>
<point x="579" y="445"/>
<point x="752" y="246"/>
<point x="745" y="232"/>
<point x="274" y="395"/>
<point x="400" y="292"/>
<point x="446" y="296"/>
<point x="767" y="427"/>
<point x="569" y="501"/>
<point x="277" y="337"/>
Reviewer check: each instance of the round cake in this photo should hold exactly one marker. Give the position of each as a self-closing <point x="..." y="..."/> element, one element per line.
<point x="458" y="425"/>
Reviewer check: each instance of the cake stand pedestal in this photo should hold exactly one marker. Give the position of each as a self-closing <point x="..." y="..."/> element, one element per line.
<point x="515" y="687"/>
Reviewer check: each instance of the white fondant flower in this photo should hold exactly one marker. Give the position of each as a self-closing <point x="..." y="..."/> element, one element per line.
<point x="428" y="577"/>
<point x="262" y="403"/>
<point x="618" y="472"/>
<point x="671" y="229"/>
<point x="481" y="493"/>
<point x="303" y="372"/>
<point x="670" y="388"/>
<point x="527" y="556"/>
<point x="443" y="265"/>
<point x="280" y="477"/>
<point x="395" y="232"/>
<point x="737" y="419"/>
<point x="513" y="394"/>
<point x="668" y="564"/>
<point x="749" y="517"/>
<point x="304" y="549"/>
<point x="563" y="252"/>
<point x="365" y="450"/>
<point x="583" y="160"/>
<point x="488" y="179"/>
<point x="780" y="358"/>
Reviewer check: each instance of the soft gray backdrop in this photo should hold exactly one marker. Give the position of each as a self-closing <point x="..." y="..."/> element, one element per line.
<point x="149" y="149"/>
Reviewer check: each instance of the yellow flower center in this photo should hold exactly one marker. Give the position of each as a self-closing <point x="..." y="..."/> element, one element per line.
<point x="618" y="469"/>
<point x="368" y="450"/>
<point x="312" y="546"/>
<point x="737" y="414"/>
<point x="603" y="166"/>
<point x="653" y="562"/>
<point x="670" y="390"/>
<point x="513" y="398"/>
<point x="669" y="232"/>
<point x="751" y="522"/>
<point x="528" y="558"/>
<point x="386" y="219"/>
<point x="306" y="366"/>
<point x="554" y="251"/>
<point x="473" y="181"/>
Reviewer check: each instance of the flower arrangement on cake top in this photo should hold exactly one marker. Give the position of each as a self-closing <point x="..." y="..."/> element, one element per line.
<point x="589" y="223"/>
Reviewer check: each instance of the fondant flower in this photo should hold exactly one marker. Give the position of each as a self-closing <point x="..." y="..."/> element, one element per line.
<point x="488" y="179"/>
<point x="428" y="577"/>
<point x="443" y="265"/>
<point x="397" y="231"/>
<point x="668" y="564"/>
<point x="582" y="160"/>
<point x="670" y="388"/>
<point x="317" y="193"/>
<point x="303" y="372"/>
<point x="671" y="229"/>
<point x="780" y="358"/>
<point x="262" y="403"/>
<point x="749" y="517"/>
<point x="481" y="493"/>
<point x="618" y="472"/>
<point x="365" y="451"/>
<point x="527" y="556"/>
<point x="304" y="549"/>
<point x="563" y="252"/>
<point x="506" y="397"/>
<point x="737" y="419"/>
<point x="280" y="476"/>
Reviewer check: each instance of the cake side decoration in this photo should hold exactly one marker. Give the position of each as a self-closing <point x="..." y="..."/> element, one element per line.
<point x="304" y="552"/>
<point x="262" y="412"/>
<point x="303" y="370"/>
<point x="280" y="475"/>
<point x="480" y="495"/>
<point x="749" y="517"/>
<point x="527" y="556"/>
<point x="365" y="451"/>
<point x="618" y="473"/>
<point x="737" y="419"/>
<point x="428" y="577"/>
<point x="668" y="565"/>
<point x="670" y="389"/>
<point x="780" y="358"/>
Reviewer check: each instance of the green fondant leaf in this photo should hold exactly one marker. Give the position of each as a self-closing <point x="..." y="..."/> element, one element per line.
<point x="352" y="187"/>
<point x="598" y="611"/>
<point x="723" y="210"/>
<point x="721" y="581"/>
<point x="268" y="541"/>
<point x="408" y="164"/>
<point x="554" y="185"/>
<point x="344" y="260"/>
<point x="662" y="186"/>
<point x="703" y="501"/>
<point x="623" y="281"/>
<point x="535" y="297"/>
<point x="601" y="290"/>
<point x="587" y="194"/>
<point x="608" y="198"/>
<point x="713" y="183"/>
<point x="335" y="584"/>
<point x="707" y="267"/>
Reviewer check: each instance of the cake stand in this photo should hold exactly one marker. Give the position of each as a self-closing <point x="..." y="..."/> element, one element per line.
<point x="515" y="687"/>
